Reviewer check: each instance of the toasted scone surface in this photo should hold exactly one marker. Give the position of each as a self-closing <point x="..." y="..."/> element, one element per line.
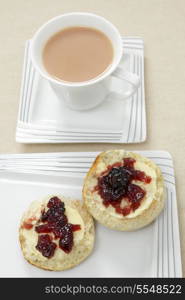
<point x="83" y="239"/>
<point x="151" y="205"/>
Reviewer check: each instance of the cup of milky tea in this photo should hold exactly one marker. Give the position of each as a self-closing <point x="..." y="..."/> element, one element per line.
<point x="78" y="54"/>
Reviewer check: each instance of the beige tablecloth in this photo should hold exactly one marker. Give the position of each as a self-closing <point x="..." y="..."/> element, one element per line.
<point x="161" y="23"/>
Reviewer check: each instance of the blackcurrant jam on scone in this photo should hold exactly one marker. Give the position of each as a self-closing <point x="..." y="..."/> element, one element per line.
<point x="53" y="225"/>
<point x="116" y="188"/>
<point x="56" y="233"/>
<point x="124" y="190"/>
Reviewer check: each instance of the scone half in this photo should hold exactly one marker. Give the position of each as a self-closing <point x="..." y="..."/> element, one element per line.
<point x="50" y="256"/>
<point x="124" y="190"/>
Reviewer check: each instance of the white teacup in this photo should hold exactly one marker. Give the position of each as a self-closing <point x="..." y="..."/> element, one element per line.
<point x="87" y="94"/>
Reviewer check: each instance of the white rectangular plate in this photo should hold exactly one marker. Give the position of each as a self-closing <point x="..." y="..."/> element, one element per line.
<point x="153" y="251"/>
<point x="43" y="118"/>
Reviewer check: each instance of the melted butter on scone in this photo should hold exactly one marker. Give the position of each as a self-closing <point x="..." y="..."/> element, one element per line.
<point x="31" y="236"/>
<point x="150" y="188"/>
<point x="75" y="218"/>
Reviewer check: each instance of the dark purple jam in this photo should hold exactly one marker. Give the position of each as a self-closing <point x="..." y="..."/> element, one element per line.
<point x="55" y="222"/>
<point x="46" y="246"/>
<point x="115" y="184"/>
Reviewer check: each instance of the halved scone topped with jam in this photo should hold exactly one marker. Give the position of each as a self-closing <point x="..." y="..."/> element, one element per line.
<point x="124" y="190"/>
<point x="56" y="233"/>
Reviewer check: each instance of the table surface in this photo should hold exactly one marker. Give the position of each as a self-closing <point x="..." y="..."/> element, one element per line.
<point x="161" y="23"/>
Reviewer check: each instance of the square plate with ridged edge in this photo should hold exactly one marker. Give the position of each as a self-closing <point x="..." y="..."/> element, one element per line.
<point x="153" y="251"/>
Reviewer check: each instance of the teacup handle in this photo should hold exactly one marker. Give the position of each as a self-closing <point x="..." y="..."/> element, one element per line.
<point x="131" y="78"/>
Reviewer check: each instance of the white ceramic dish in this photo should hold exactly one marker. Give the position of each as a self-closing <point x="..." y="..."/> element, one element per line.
<point x="153" y="251"/>
<point x="43" y="118"/>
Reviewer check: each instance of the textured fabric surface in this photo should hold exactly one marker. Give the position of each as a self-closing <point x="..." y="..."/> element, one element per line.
<point x="161" y="23"/>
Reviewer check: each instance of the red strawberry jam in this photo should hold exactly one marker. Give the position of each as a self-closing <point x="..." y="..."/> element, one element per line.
<point x="27" y="224"/>
<point x="55" y="222"/>
<point x="115" y="184"/>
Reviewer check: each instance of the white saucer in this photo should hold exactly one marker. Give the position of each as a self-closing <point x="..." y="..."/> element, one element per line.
<point x="43" y="118"/>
